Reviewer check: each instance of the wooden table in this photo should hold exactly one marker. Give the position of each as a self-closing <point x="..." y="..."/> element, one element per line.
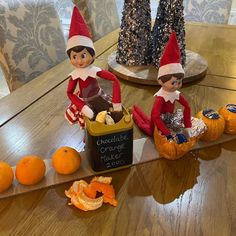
<point x="195" y="195"/>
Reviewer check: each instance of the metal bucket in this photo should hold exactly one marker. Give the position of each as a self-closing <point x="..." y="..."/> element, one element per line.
<point x="110" y="146"/>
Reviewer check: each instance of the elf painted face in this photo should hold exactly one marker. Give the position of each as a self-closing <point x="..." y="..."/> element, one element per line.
<point x="172" y="85"/>
<point x="81" y="59"/>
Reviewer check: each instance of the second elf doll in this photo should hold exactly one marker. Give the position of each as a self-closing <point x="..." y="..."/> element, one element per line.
<point x="175" y="125"/>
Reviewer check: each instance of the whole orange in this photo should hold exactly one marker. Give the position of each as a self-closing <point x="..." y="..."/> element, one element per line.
<point x="30" y="170"/>
<point x="6" y="176"/>
<point x="66" y="160"/>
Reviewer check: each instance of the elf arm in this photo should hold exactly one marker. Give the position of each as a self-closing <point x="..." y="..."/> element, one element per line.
<point x="116" y="94"/>
<point x="187" y="111"/>
<point x="80" y="105"/>
<point x="156" y="115"/>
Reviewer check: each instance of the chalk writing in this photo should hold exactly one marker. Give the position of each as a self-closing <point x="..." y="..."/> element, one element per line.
<point x="111" y="150"/>
<point x="115" y="139"/>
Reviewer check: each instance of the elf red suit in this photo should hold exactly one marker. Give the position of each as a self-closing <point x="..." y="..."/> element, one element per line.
<point x="89" y="99"/>
<point x="165" y="102"/>
<point x="170" y="77"/>
<point x="88" y="85"/>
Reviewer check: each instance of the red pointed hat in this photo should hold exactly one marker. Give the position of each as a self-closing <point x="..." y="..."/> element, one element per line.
<point x="79" y="34"/>
<point x="170" y="60"/>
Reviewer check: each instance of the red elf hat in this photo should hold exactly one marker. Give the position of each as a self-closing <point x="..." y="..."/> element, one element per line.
<point x="79" y="34"/>
<point x="170" y="60"/>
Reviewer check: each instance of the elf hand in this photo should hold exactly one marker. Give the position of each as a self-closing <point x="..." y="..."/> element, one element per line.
<point x="87" y="111"/>
<point x="117" y="106"/>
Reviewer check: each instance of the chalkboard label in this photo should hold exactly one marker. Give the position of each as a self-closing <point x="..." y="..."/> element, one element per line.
<point x="111" y="150"/>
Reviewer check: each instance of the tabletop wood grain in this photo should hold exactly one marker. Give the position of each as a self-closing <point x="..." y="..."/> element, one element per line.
<point x="217" y="44"/>
<point x="194" y="195"/>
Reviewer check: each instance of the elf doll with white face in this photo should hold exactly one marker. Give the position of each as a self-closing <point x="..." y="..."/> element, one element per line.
<point x="90" y="99"/>
<point x="175" y="125"/>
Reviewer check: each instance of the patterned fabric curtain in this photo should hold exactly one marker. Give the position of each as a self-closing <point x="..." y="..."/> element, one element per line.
<point x="31" y="39"/>
<point x="101" y="16"/>
<point x="209" y="11"/>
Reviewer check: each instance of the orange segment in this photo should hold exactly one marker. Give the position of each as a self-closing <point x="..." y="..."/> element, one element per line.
<point x="90" y="192"/>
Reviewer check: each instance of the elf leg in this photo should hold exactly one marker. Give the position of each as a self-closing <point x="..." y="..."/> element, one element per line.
<point x="141" y="113"/>
<point x="144" y="124"/>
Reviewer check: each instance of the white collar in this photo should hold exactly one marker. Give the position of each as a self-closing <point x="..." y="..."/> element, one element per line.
<point x="84" y="73"/>
<point x="168" y="96"/>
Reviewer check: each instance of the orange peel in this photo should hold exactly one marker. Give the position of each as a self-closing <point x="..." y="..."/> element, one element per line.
<point x="103" y="185"/>
<point x="80" y="200"/>
<point x="83" y="195"/>
<point x="102" y="179"/>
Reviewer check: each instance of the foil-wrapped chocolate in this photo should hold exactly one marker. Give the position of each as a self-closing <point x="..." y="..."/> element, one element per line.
<point x="198" y="127"/>
<point x="174" y="122"/>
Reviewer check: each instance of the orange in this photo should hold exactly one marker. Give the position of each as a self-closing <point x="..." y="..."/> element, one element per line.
<point x="6" y="176"/>
<point x="30" y="170"/>
<point x="66" y="160"/>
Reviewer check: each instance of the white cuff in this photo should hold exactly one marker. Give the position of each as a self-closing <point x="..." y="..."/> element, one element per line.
<point x="87" y="111"/>
<point x="117" y="106"/>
